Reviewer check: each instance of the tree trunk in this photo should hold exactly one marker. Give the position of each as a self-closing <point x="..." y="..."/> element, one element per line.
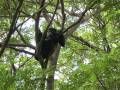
<point x="53" y="63"/>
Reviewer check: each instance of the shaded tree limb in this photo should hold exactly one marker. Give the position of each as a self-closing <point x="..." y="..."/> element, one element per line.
<point x="30" y="16"/>
<point x="107" y="48"/>
<point x="22" y="50"/>
<point x="18" y="45"/>
<point x="13" y="69"/>
<point x="12" y="46"/>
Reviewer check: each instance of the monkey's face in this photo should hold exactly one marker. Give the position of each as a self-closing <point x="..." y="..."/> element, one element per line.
<point x="52" y="33"/>
<point x="55" y="36"/>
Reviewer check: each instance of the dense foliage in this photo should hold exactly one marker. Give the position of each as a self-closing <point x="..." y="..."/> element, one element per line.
<point x="90" y="59"/>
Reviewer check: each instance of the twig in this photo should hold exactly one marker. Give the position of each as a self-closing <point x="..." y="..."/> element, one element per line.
<point x="104" y="87"/>
<point x="24" y="63"/>
<point x="21" y="36"/>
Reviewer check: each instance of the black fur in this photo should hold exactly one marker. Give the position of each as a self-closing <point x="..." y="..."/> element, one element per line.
<point x="52" y="39"/>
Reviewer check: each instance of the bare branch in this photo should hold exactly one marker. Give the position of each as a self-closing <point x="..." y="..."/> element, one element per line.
<point x="22" y="50"/>
<point x="21" y="36"/>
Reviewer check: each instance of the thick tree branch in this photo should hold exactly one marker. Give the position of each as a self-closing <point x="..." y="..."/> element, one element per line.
<point x="20" y="50"/>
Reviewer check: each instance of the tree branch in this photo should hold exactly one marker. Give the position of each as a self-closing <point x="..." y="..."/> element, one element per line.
<point x="84" y="42"/>
<point x="19" y="45"/>
<point x="20" y="50"/>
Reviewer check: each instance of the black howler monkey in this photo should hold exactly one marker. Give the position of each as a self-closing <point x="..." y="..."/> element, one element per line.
<point x="52" y="38"/>
<point x="49" y="44"/>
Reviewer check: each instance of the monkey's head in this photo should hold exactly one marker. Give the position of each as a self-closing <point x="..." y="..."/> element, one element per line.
<point x="52" y="31"/>
<point x="56" y="36"/>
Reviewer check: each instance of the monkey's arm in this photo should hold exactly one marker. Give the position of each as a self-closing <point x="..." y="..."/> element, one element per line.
<point x="61" y="40"/>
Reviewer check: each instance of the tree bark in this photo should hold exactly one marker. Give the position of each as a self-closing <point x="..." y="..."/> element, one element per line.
<point x="53" y="63"/>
